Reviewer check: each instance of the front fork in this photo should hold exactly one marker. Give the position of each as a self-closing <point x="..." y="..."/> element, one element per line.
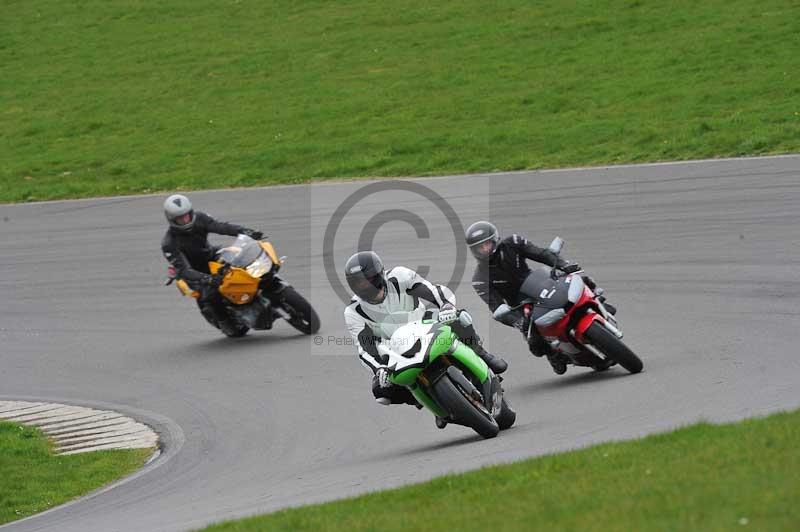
<point x="585" y="322"/>
<point x="272" y="289"/>
<point x="490" y="392"/>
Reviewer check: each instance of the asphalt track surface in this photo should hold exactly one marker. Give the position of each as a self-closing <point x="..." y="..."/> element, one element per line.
<point x="701" y="259"/>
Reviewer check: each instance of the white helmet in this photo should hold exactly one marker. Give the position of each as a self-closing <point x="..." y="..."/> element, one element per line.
<point x="179" y="212"/>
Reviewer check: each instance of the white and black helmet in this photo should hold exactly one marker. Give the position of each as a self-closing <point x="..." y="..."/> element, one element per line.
<point x="179" y="212"/>
<point x="477" y="236"/>
<point x="365" y="276"/>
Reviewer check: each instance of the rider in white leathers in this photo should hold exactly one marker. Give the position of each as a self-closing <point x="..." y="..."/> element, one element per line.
<point x="384" y="301"/>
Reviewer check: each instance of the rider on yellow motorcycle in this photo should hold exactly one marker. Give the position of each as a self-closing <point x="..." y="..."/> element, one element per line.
<point x="188" y="251"/>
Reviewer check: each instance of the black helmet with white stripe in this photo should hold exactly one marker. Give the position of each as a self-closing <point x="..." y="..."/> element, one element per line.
<point x="365" y="276"/>
<point x="179" y="212"/>
<point x="482" y="239"/>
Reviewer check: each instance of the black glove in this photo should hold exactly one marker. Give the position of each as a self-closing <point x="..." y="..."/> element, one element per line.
<point x="215" y="281"/>
<point x="571" y="268"/>
<point x="252" y="233"/>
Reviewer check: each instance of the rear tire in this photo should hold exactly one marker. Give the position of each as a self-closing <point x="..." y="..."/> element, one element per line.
<point x="452" y="399"/>
<point x="507" y="416"/>
<point x="613" y="347"/>
<point x="303" y="316"/>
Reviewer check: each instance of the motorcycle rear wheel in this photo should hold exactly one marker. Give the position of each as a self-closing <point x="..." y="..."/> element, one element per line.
<point x="453" y="400"/>
<point x="613" y="347"/>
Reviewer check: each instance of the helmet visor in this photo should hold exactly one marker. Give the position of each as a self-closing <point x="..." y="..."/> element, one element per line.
<point x="483" y="250"/>
<point x="370" y="289"/>
<point x="183" y="219"/>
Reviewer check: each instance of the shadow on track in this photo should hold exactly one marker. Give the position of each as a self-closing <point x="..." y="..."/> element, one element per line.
<point x="579" y="379"/>
<point x="424" y="449"/>
<point x="224" y="345"/>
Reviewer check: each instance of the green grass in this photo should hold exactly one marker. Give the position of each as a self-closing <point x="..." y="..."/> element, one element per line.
<point x="117" y="96"/>
<point x="33" y="479"/>
<point x="704" y="477"/>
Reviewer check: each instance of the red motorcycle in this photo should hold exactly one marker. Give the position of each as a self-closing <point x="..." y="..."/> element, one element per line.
<point x="571" y="317"/>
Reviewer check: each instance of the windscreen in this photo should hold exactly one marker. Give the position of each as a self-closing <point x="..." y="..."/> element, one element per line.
<point x="242" y="252"/>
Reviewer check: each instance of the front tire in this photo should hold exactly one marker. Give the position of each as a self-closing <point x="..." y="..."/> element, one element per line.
<point x="454" y="401"/>
<point x="303" y="317"/>
<point x="613" y="347"/>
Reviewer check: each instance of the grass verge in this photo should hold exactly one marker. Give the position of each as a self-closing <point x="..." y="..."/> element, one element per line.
<point x="705" y="477"/>
<point x="104" y="97"/>
<point x="33" y="479"/>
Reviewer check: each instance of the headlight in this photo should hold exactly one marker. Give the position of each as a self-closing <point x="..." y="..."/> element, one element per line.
<point x="260" y="266"/>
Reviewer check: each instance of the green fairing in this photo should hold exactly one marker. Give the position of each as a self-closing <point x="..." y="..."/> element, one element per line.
<point x="426" y="400"/>
<point x="468" y="357"/>
<point x="440" y="346"/>
<point x="406" y="377"/>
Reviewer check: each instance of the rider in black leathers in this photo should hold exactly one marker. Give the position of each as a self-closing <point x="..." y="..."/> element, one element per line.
<point x="188" y="251"/>
<point x="501" y="270"/>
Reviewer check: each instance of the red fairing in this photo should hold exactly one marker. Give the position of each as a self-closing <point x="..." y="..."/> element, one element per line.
<point x="589" y="318"/>
<point x="559" y="329"/>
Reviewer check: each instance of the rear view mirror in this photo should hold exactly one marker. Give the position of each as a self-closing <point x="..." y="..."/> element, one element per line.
<point x="556" y="245"/>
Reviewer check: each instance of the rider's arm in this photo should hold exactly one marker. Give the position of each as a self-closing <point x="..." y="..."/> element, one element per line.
<point x="483" y="287"/>
<point x="220" y="228"/>
<point x="417" y="286"/>
<point x="533" y="252"/>
<point x="365" y="339"/>
<point x="183" y="270"/>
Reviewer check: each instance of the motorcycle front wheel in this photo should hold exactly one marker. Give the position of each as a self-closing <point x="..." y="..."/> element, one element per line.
<point x="303" y="317"/>
<point x="613" y="347"/>
<point x="455" y="402"/>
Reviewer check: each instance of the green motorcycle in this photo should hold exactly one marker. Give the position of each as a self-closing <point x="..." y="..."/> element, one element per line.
<point x="447" y="377"/>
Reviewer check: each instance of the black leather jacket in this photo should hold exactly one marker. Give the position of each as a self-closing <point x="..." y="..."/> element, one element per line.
<point x="189" y="251"/>
<point x="498" y="280"/>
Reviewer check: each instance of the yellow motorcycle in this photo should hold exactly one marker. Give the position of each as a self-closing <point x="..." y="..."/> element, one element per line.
<point x="253" y="294"/>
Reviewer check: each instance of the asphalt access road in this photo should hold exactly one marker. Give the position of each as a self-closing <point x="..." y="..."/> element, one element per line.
<point x="700" y="258"/>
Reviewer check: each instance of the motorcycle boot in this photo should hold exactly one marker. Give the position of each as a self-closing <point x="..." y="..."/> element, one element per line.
<point x="495" y="363"/>
<point x="208" y="313"/>
<point x="470" y="338"/>
<point x="466" y="333"/>
<point x="214" y="314"/>
<point x="539" y="347"/>
<point x="557" y="363"/>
